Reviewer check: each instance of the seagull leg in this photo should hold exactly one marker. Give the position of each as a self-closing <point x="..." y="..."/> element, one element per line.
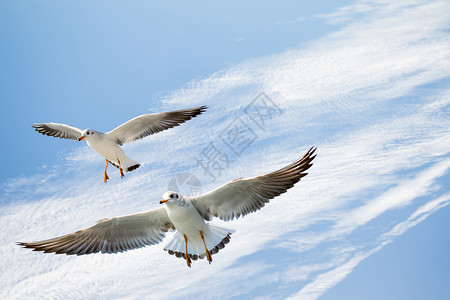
<point x="120" y="169"/>
<point x="188" y="259"/>
<point x="208" y="255"/>
<point x="106" y="175"/>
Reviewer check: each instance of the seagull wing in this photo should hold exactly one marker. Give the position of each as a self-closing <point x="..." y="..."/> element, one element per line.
<point x="145" y="125"/>
<point x="243" y="196"/>
<point x="110" y="235"/>
<point x="62" y="131"/>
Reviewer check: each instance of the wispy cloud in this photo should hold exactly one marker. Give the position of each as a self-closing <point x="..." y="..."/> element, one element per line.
<point x="326" y="280"/>
<point x="372" y="96"/>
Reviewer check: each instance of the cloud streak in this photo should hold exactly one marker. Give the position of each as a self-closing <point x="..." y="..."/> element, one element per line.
<point x="372" y="96"/>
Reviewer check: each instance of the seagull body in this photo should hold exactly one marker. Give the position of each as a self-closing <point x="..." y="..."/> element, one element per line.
<point x="194" y="237"/>
<point x="108" y="144"/>
<point x="107" y="147"/>
<point x="198" y="238"/>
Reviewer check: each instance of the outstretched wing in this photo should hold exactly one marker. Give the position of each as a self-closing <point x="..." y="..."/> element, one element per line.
<point x="243" y="196"/>
<point x="145" y="125"/>
<point x="62" y="131"/>
<point x="110" y="235"/>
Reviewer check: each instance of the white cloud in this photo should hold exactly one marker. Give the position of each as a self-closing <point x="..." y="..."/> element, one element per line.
<point x="358" y="94"/>
<point x="328" y="279"/>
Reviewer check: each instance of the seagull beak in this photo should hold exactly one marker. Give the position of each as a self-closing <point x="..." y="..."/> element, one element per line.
<point x="81" y="138"/>
<point x="162" y="201"/>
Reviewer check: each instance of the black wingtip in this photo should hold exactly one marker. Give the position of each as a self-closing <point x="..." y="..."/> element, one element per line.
<point x="23" y="245"/>
<point x="196" y="112"/>
<point x="310" y="154"/>
<point x="37" y="127"/>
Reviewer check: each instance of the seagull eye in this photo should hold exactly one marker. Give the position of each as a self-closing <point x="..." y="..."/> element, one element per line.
<point x="87" y="133"/>
<point x="171" y="195"/>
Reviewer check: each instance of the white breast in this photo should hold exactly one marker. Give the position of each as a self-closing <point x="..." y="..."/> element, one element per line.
<point x="105" y="147"/>
<point x="186" y="219"/>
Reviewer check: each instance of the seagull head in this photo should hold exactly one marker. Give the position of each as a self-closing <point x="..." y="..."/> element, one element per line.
<point x="87" y="134"/>
<point x="170" y="196"/>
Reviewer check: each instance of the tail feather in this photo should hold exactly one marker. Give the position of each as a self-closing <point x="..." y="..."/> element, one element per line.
<point x="215" y="238"/>
<point x="127" y="164"/>
<point x="218" y="235"/>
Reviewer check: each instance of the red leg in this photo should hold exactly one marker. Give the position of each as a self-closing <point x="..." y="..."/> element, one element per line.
<point x="120" y="169"/>
<point x="188" y="259"/>
<point x="105" y="178"/>
<point x="208" y="255"/>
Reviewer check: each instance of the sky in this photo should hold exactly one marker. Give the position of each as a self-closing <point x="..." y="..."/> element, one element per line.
<point x="366" y="82"/>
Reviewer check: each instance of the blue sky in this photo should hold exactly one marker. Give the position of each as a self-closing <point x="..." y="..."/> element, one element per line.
<point x="74" y="57"/>
<point x="364" y="81"/>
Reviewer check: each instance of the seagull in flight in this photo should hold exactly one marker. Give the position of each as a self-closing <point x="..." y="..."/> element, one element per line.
<point x="194" y="237"/>
<point x="108" y="144"/>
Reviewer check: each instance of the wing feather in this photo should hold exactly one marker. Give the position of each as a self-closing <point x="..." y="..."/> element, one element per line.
<point x="146" y="125"/>
<point x="243" y="196"/>
<point x="110" y="235"/>
<point x="62" y="131"/>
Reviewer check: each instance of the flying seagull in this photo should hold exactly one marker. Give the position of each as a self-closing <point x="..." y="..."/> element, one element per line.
<point x="194" y="238"/>
<point x="108" y="144"/>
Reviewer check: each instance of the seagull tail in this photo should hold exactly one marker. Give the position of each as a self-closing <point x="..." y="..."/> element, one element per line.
<point x="215" y="238"/>
<point x="126" y="163"/>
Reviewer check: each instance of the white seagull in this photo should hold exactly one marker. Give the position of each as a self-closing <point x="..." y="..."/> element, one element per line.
<point x="194" y="238"/>
<point x="108" y="144"/>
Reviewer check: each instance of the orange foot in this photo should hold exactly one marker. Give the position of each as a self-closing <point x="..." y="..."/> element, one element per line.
<point x="188" y="259"/>
<point x="208" y="254"/>
<point x="120" y="169"/>
<point x="105" y="178"/>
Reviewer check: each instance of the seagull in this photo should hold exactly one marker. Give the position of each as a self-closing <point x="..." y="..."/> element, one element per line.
<point x="108" y="144"/>
<point x="194" y="238"/>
